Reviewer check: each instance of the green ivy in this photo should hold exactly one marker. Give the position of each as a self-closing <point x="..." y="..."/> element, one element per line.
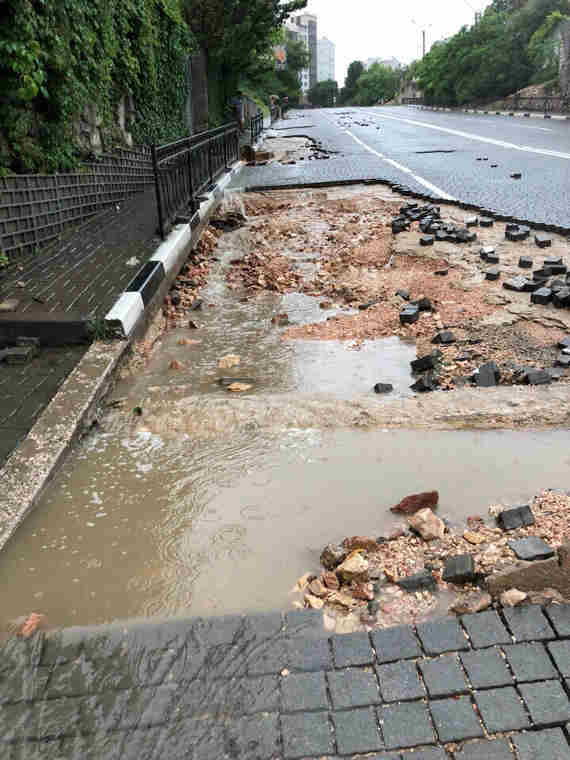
<point x="59" y="56"/>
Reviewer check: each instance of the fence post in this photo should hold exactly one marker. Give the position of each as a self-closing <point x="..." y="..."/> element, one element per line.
<point x="210" y="161"/>
<point x="158" y="192"/>
<point x="190" y="179"/>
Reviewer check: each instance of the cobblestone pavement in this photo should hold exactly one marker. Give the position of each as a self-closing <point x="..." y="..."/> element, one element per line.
<point x="86" y="272"/>
<point x="493" y="686"/>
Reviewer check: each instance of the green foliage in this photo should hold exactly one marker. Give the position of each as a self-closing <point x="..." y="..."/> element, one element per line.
<point x="353" y="74"/>
<point x="491" y="59"/>
<point x="544" y="48"/>
<point x="4" y="260"/>
<point x="378" y="84"/>
<point x="324" y="94"/>
<point x="58" y="57"/>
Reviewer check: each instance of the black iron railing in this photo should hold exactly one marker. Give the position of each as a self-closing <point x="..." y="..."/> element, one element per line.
<point x="184" y="169"/>
<point x="256" y="126"/>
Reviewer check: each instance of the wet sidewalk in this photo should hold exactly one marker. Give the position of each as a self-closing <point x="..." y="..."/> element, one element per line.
<point x="491" y="686"/>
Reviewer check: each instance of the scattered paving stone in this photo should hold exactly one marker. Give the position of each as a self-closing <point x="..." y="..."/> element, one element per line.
<point x="529" y="662"/>
<point x="487" y="376"/>
<point x="559" y="616"/>
<point x="560" y="653"/>
<point x="403" y="294"/>
<point x="356" y="731"/>
<point x="492" y="258"/>
<point x="309" y="654"/>
<point x="518" y="517"/>
<point x="561" y="298"/>
<point x="528" y="623"/>
<point x="516" y="175"/>
<point x="426" y="240"/>
<point x="445" y="337"/>
<point x="18" y="355"/>
<point x="429" y="382"/>
<point x="542" y="241"/>
<point x="501" y="710"/>
<point x="399" y="682"/>
<point x="497" y="749"/>
<point x="492" y="274"/>
<point x="441" y="636"/>
<point x="443" y="677"/>
<point x="547" y="703"/>
<point x="441" y="272"/>
<point x="459" y="569"/>
<point x="531" y="548"/>
<point x="383" y="388"/>
<point x="352" y="649"/>
<point x="486" y="250"/>
<point x="303" y="692"/>
<point x="538" y="377"/>
<point x="405" y="725"/>
<point x="486" y="629"/>
<point x="486" y="668"/>
<point x="472" y="221"/>
<point x="423" y="304"/>
<point x="423" y="581"/>
<point x="409" y="315"/>
<point x="466" y="236"/>
<point x="486" y="221"/>
<point x="517" y="284"/>
<point x="306" y="735"/>
<point x="353" y="688"/>
<point x="516" y="235"/>
<point x="424" y="363"/>
<point x="525" y="262"/>
<point x="563" y="361"/>
<point x="537" y="745"/>
<point x="393" y="644"/>
<point x="542" y="296"/>
<point x="455" y="719"/>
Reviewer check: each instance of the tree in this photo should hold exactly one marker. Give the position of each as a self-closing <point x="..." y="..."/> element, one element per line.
<point x="324" y="94"/>
<point x="379" y="83"/>
<point x="352" y="75"/>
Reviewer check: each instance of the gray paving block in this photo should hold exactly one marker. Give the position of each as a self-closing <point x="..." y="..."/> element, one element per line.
<point x="397" y="643"/>
<point x="243" y="696"/>
<point x="528" y="623"/>
<point x="442" y="636"/>
<point x="306" y="735"/>
<point x="539" y="745"/>
<point x="427" y="753"/>
<point x="485" y="629"/>
<point x="560" y="653"/>
<point x="501" y="710"/>
<point x="455" y="719"/>
<point x="352" y="649"/>
<point x="547" y="702"/>
<point x="357" y="731"/>
<point x="103" y="713"/>
<point x="529" y="662"/>
<point x="353" y="687"/>
<point x="443" y="676"/>
<point x="304" y="622"/>
<point x="303" y="692"/>
<point x="406" y="725"/>
<point x="271" y="657"/>
<point x="559" y="616"/>
<point x="499" y="749"/>
<point x="255" y="737"/>
<point x="263" y="626"/>
<point x="399" y="682"/>
<point x="309" y="654"/>
<point x="486" y="668"/>
<point x="531" y="548"/>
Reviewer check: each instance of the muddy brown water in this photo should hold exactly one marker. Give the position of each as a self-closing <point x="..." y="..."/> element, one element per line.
<point x="203" y="506"/>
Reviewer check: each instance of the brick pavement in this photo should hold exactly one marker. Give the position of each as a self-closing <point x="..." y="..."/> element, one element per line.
<point x="491" y="686"/>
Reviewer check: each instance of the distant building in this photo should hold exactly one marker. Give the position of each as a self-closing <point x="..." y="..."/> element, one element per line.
<point x="304" y="28"/>
<point x="391" y="63"/>
<point x="325" y="60"/>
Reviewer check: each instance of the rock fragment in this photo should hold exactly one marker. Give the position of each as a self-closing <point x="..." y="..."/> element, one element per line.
<point x="428" y="525"/>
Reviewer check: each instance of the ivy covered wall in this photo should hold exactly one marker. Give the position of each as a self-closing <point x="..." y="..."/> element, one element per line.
<point x="60" y="59"/>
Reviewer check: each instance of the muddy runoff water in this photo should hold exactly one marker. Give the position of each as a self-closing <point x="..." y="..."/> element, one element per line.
<point x="209" y="503"/>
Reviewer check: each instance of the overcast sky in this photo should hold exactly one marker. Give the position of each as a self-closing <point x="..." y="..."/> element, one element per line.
<point x="364" y="29"/>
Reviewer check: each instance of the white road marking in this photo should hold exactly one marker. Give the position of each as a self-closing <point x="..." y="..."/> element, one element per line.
<point x="480" y="138"/>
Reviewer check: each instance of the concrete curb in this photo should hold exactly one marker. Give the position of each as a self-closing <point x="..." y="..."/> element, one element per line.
<point x="519" y="114"/>
<point x="73" y="410"/>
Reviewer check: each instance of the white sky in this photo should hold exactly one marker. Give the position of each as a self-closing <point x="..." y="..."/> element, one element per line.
<point x="364" y="29"/>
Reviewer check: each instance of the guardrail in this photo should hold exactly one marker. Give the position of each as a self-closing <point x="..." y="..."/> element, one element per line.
<point x="184" y="169"/>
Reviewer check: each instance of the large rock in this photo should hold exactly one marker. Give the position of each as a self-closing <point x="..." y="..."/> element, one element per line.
<point x="416" y="501"/>
<point x="471" y="603"/>
<point x="354" y="568"/>
<point x="428" y="525"/>
<point x="535" y="576"/>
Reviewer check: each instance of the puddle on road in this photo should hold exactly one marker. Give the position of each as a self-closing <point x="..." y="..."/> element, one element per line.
<point x="142" y="525"/>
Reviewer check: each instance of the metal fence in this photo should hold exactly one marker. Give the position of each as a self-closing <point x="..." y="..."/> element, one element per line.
<point x="256" y="126"/>
<point x="184" y="169"/>
<point x="36" y="208"/>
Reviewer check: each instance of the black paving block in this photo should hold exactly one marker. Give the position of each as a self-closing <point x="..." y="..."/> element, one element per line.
<point x="501" y="710"/>
<point x="268" y="658"/>
<point x="426" y="240"/>
<point x="255" y="737"/>
<point x="443" y="677"/>
<point x="559" y="616"/>
<point x="528" y="623"/>
<point x="539" y="745"/>
<point x="426" y="753"/>
<point x="459" y="569"/>
<point x="455" y="719"/>
<point x="397" y="643"/>
<point x="357" y="731"/>
<point x="306" y="735"/>
<point x="309" y="654"/>
<point x="52" y="328"/>
<point x="560" y="653"/>
<point x="547" y="702"/>
<point x="409" y="315"/>
<point x="542" y="241"/>
<point x="352" y="649"/>
<point x="304" y="622"/>
<point x="399" y="682"/>
<point x="263" y="626"/>
<point x="485" y="629"/>
<point x="493" y="273"/>
<point x="531" y="548"/>
<point x="444" y="635"/>
<point x="517" y="517"/>
<point x="538" y="377"/>
<point x="529" y="662"/>
<point x="303" y="692"/>
<point x="486" y="668"/>
<point x="406" y="725"/>
<point x="525" y="262"/>
<point x="499" y="749"/>
<point x="353" y="688"/>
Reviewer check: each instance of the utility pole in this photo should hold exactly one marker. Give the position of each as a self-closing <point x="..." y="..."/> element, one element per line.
<point x="424" y="43"/>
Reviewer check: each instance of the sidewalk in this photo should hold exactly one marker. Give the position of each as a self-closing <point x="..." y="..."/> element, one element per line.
<point x="490" y="686"/>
